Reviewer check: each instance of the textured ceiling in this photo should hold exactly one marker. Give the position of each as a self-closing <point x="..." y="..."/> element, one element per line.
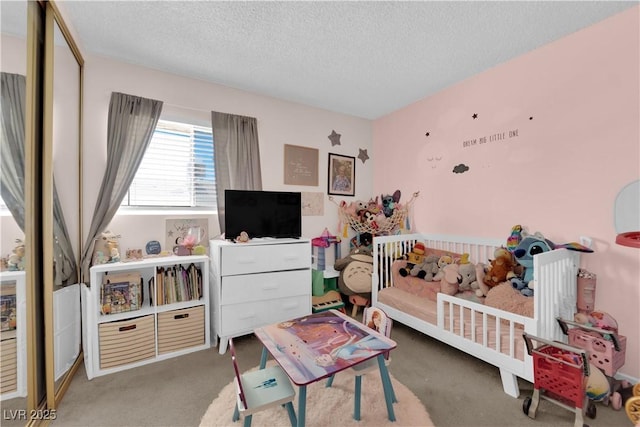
<point x="365" y="59"/>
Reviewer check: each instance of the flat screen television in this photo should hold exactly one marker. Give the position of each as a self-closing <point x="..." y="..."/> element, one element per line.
<point x="275" y="214"/>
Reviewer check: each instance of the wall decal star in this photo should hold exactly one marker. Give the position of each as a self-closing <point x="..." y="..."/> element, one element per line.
<point x="363" y="155"/>
<point x="334" y="138"/>
<point x="475" y="115"/>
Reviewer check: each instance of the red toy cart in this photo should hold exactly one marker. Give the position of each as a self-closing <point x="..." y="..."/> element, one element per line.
<point x="560" y="374"/>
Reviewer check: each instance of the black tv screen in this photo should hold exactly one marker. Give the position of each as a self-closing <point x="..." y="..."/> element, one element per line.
<point x="275" y="214"/>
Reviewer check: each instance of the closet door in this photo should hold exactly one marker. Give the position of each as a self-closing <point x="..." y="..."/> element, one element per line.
<point x="61" y="204"/>
<point x="21" y="62"/>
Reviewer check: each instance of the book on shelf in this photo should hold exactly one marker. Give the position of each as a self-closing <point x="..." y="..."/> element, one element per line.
<point x="178" y="283"/>
<point x="8" y="311"/>
<point x="121" y="292"/>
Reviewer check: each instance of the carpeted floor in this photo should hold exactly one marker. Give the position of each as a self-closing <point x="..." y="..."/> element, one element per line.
<point x="330" y="406"/>
<point x="458" y="390"/>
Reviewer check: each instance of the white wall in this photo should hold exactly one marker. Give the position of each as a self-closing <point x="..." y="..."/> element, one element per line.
<point x="279" y="123"/>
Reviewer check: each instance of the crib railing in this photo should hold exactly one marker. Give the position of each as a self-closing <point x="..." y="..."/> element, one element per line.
<point x="387" y="249"/>
<point x="555" y="291"/>
<point x="482" y="325"/>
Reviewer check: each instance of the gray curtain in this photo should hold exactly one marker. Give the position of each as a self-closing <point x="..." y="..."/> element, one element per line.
<point x="12" y="103"/>
<point x="65" y="266"/>
<point x="12" y="175"/>
<point x="236" y="154"/>
<point x="132" y="120"/>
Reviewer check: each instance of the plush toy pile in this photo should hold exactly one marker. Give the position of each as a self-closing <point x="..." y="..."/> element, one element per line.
<point x="376" y="217"/>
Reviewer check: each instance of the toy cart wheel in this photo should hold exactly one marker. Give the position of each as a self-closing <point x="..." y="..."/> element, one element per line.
<point x="526" y="404"/>
<point x="591" y="410"/>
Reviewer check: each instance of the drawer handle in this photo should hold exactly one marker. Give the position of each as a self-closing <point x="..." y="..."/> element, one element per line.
<point x="270" y="287"/>
<point x="248" y="316"/>
<point x="127" y="328"/>
<point x="289" y="305"/>
<point x="181" y="316"/>
<point x="246" y="261"/>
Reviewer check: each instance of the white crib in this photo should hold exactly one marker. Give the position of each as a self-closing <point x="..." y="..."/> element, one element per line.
<point x="490" y="334"/>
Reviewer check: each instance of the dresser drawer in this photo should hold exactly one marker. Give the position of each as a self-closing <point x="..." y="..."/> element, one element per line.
<point x="265" y="286"/>
<point x="241" y="259"/>
<point x="178" y="329"/>
<point x="127" y="341"/>
<point x="8" y="366"/>
<point x="245" y="317"/>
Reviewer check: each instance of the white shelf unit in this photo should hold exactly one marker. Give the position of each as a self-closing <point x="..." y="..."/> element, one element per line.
<point x="119" y="341"/>
<point x="257" y="283"/>
<point x="13" y="357"/>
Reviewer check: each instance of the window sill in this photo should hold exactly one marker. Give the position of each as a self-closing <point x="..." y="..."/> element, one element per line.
<point x="124" y="211"/>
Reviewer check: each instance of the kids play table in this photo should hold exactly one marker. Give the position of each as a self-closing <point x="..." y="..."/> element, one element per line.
<point x="316" y="346"/>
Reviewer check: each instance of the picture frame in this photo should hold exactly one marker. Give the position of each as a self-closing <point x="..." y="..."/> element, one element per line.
<point x="300" y="165"/>
<point x="342" y="175"/>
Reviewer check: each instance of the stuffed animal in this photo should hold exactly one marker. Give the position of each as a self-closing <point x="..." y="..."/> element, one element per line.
<point x="514" y="238"/>
<point x="414" y="257"/>
<point x="16" y="258"/>
<point x="389" y="203"/>
<point x="372" y="205"/>
<point x="360" y="205"/>
<point x="426" y="269"/>
<point x="502" y="268"/>
<point x="369" y="218"/>
<point x="467" y="280"/>
<point x="355" y="270"/>
<point x="349" y="209"/>
<point x="443" y="261"/>
<point x="529" y="246"/>
<point x="450" y="280"/>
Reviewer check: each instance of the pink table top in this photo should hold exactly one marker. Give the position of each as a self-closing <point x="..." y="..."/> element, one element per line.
<point x="317" y="346"/>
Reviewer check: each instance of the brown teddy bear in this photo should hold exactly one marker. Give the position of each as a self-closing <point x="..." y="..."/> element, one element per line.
<point x="502" y="268"/>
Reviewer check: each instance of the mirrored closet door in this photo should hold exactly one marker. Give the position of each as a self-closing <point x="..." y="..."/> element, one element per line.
<point x="61" y="204"/>
<point x="22" y="389"/>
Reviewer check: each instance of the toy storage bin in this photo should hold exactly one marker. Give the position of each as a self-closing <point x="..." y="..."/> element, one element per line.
<point x="126" y="341"/>
<point x="560" y="374"/>
<point x="602" y="352"/>
<point x="179" y="329"/>
<point x="606" y="349"/>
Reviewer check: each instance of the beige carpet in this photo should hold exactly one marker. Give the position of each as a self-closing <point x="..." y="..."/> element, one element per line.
<point x="330" y="406"/>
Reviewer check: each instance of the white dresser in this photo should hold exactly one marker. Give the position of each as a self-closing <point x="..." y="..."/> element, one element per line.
<point x="257" y="283"/>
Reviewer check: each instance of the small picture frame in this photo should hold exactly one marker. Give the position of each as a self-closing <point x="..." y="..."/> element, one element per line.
<point x="342" y="175"/>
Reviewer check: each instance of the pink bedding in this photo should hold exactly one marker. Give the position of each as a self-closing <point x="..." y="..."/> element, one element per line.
<point x="425" y="309"/>
<point x="416" y="297"/>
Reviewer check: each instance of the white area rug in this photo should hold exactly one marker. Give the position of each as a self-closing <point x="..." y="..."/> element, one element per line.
<point x="330" y="406"/>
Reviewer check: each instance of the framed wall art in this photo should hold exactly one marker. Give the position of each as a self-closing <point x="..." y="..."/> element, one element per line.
<point x="342" y="175"/>
<point x="300" y="165"/>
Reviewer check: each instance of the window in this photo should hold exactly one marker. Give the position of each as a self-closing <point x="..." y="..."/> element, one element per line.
<point x="177" y="169"/>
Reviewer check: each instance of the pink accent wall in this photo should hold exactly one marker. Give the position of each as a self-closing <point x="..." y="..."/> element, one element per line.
<point x="575" y="105"/>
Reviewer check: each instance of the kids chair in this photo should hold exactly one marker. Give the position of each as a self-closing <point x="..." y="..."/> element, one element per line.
<point x="261" y="389"/>
<point x="378" y="320"/>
